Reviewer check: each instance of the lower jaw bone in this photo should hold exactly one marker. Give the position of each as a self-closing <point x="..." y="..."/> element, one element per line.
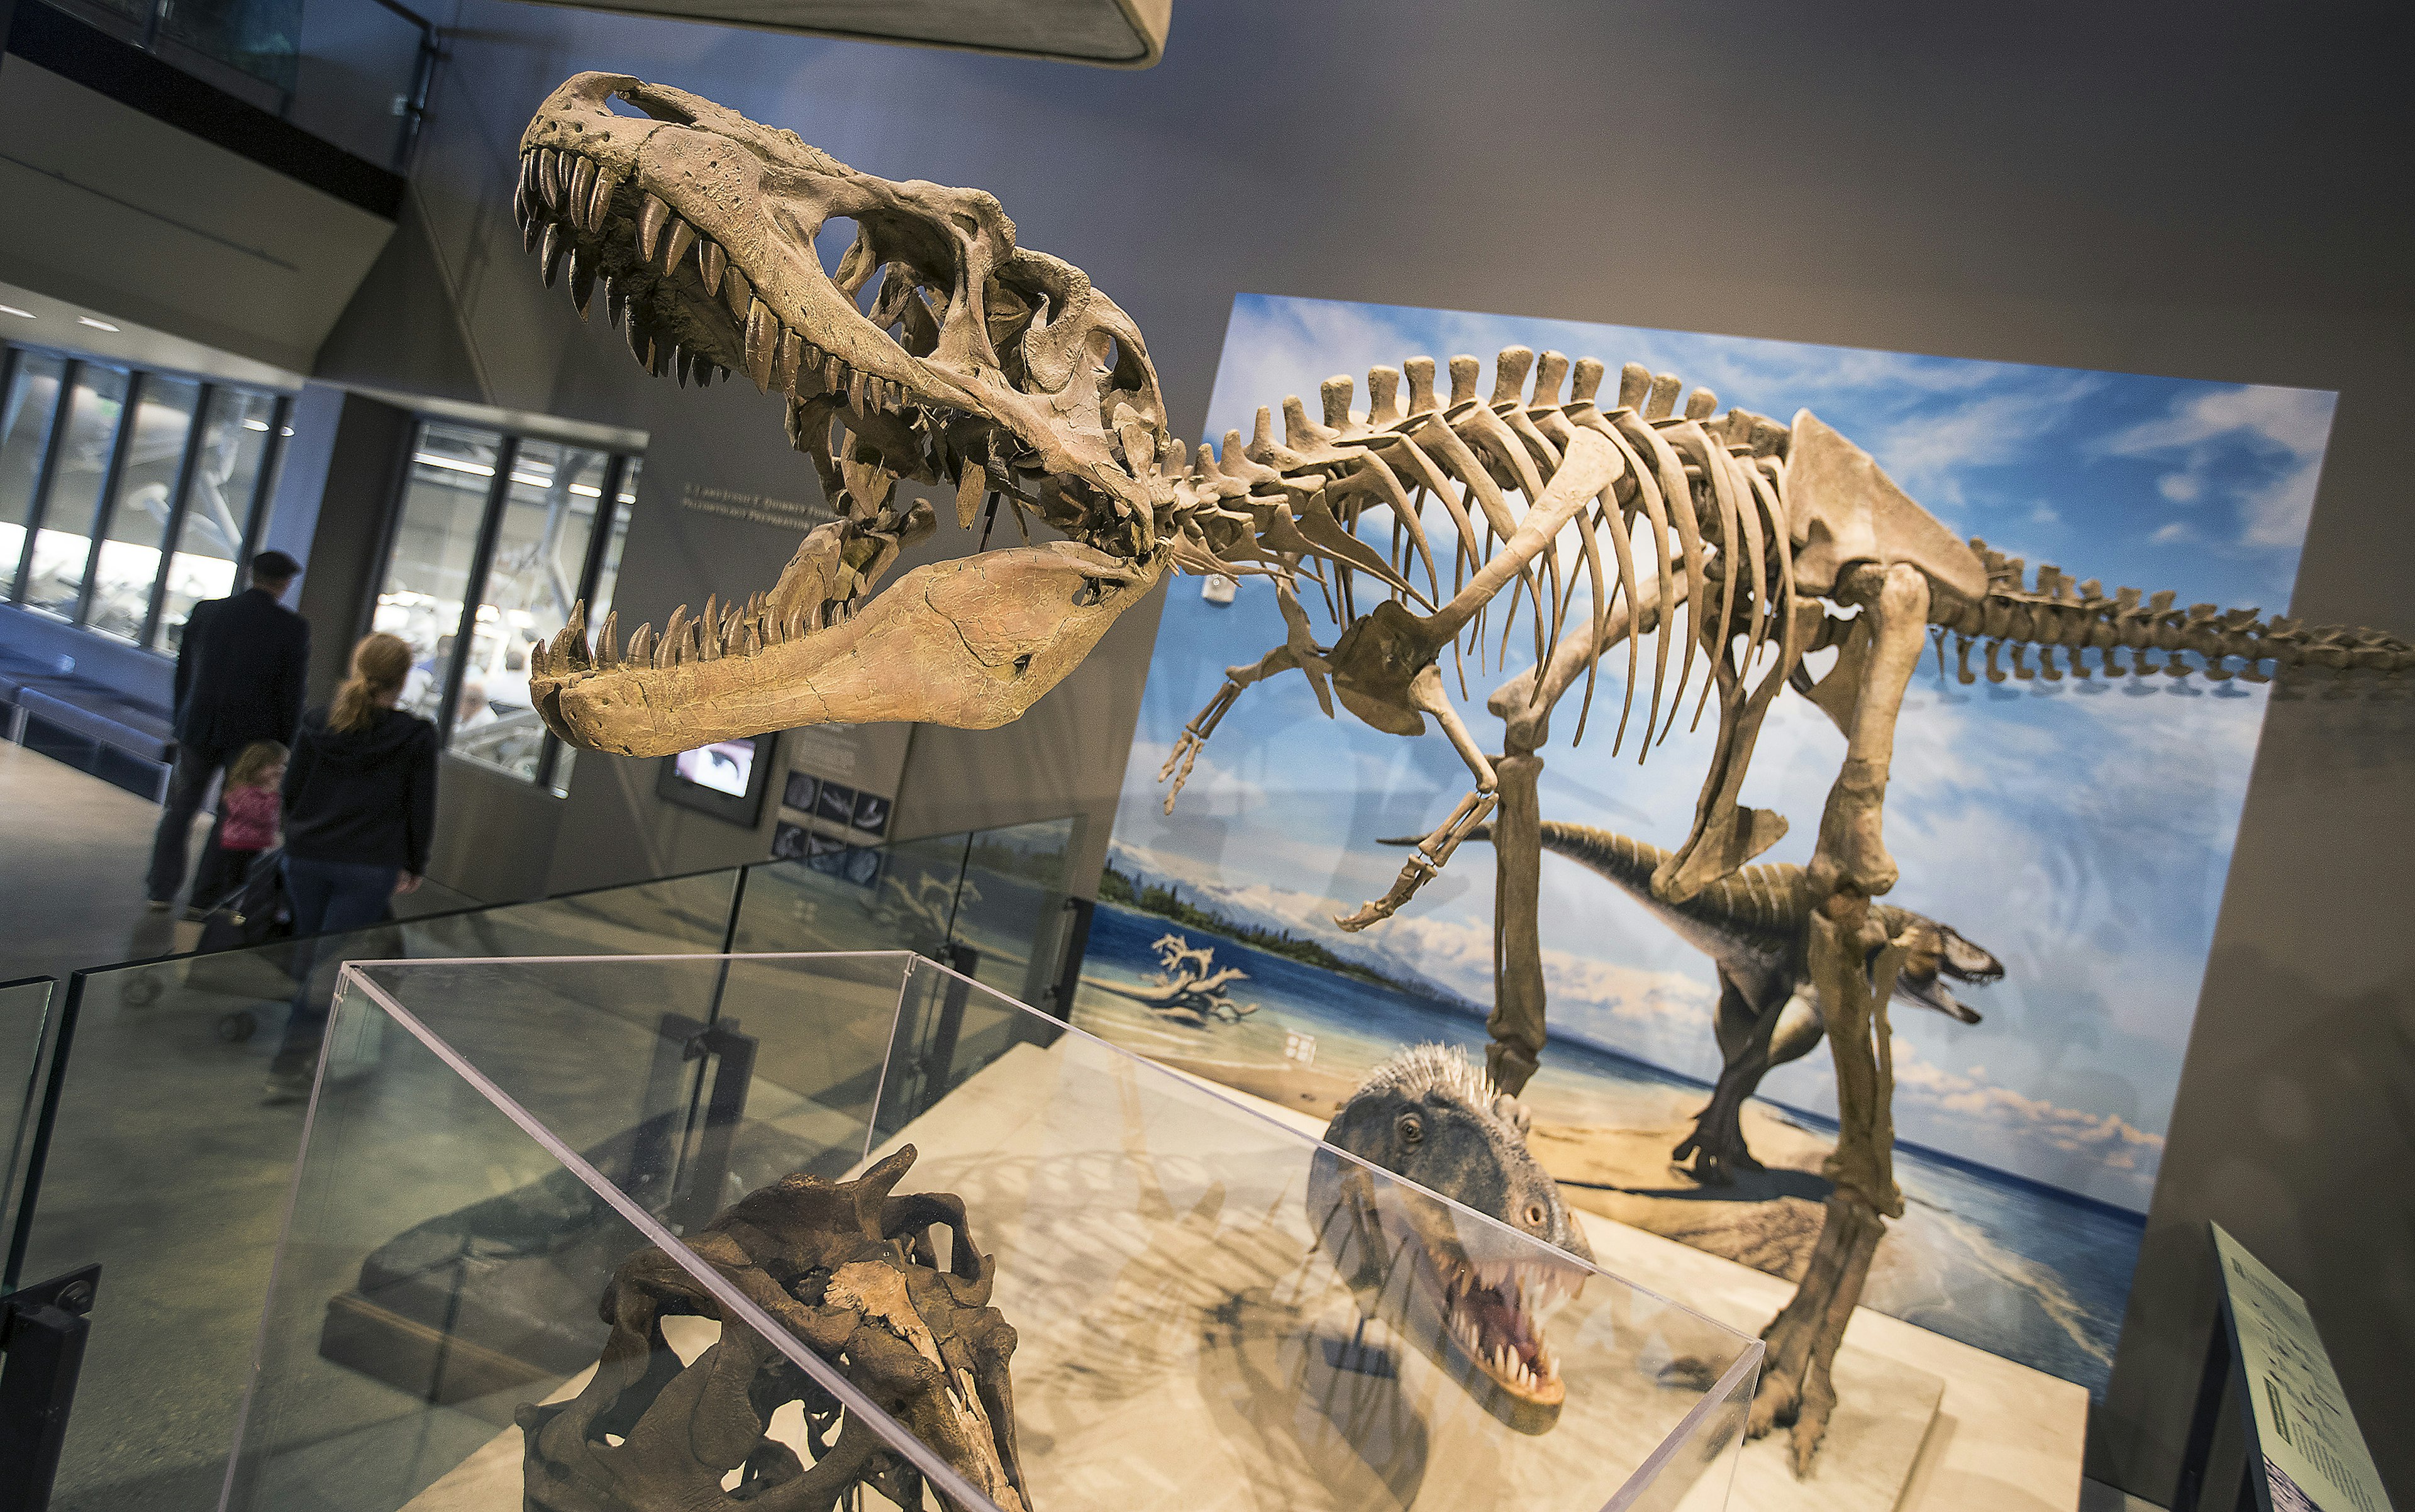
<point x="970" y="643"/>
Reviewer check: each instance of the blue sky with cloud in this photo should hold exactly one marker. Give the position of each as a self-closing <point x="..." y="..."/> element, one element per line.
<point x="2083" y="836"/>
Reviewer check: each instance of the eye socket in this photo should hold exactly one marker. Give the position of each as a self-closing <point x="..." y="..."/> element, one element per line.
<point x="1413" y="1129"/>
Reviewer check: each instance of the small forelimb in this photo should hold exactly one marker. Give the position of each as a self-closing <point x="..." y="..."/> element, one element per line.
<point x="1195" y="735"/>
<point x="1434" y="851"/>
<point x="1426" y="861"/>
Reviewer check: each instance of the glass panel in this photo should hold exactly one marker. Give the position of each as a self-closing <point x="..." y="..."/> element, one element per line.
<point x="183" y="1214"/>
<point x="123" y="19"/>
<point x="138" y="519"/>
<point x="607" y="577"/>
<point x="548" y="515"/>
<point x="359" y="58"/>
<point x="63" y="542"/>
<point x="260" y="38"/>
<point x="427" y="573"/>
<point x="226" y="474"/>
<point x="24" y="1024"/>
<point x="1011" y="910"/>
<point x="24" y="431"/>
<point x="1162" y="1254"/>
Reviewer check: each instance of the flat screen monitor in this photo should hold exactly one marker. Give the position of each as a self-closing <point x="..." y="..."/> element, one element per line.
<point x="725" y="779"/>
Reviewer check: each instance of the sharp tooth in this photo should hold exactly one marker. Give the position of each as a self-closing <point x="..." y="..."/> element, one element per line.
<point x="582" y="280"/>
<point x="607" y="643"/>
<point x="855" y="393"/>
<point x="599" y="201"/>
<point x="683" y="237"/>
<point x="555" y="244"/>
<point x="615" y="301"/>
<point x="640" y="345"/>
<point x="642" y="646"/>
<point x="762" y="344"/>
<point x="736" y="294"/>
<point x="753" y="642"/>
<point x="652" y="216"/>
<point x="531" y="232"/>
<point x="792" y="348"/>
<point x="710" y="261"/>
<point x="674" y="639"/>
<point x="710" y="619"/>
<point x="582" y="188"/>
<point x="548" y="177"/>
<point x="833" y="374"/>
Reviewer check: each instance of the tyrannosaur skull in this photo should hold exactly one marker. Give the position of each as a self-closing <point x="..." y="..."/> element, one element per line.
<point x="934" y="350"/>
<point x="854" y="1273"/>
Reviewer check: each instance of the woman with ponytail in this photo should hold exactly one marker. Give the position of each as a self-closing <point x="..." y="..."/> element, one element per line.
<point x="360" y="812"/>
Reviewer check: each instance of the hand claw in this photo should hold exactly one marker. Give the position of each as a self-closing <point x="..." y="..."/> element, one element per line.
<point x="1186" y="752"/>
<point x="1414" y="874"/>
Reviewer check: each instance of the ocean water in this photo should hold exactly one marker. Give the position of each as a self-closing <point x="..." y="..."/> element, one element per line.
<point x="1997" y="1262"/>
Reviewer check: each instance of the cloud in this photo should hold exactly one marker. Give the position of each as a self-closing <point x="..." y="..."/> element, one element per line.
<point x="2262" y="446"/>
<point x="1929" y="452"/>
<point x="2107" y="1139"/>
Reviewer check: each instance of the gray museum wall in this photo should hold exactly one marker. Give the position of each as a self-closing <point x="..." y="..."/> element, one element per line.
<point x="2220" y="197"/>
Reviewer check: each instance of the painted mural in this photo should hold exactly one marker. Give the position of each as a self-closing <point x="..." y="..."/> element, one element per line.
<point x="2078" y="830"/>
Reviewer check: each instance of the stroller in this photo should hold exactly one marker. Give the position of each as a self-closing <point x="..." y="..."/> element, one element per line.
<point x="257" y="912"/>
<point x="253" y="914"/>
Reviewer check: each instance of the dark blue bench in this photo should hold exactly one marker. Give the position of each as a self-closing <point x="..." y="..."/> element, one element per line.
<point x="84" y="699"/>
<point x="96" y="730"/>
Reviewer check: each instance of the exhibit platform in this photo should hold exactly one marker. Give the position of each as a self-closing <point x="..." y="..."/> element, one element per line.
<point x="1924" y="1422"/>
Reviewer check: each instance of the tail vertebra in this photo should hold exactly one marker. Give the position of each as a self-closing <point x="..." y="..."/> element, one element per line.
<point x="2060" y="615"/>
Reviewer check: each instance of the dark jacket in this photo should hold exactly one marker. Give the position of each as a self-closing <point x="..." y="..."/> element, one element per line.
<point x="239" y="673"/>
<point x="365" y="796"/>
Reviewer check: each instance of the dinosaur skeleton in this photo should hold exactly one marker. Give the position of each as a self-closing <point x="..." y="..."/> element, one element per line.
<point x="937" y="351"/>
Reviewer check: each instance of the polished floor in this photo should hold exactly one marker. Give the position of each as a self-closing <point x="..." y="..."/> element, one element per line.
<point x="167" y="1168"/>
<point x="72" y="853"/>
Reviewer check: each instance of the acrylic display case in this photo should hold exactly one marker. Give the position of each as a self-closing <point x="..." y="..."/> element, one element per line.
<point x="492" y="1141"/>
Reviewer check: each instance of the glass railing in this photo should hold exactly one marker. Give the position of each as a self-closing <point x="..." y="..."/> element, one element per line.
<point x="351" y="72"/>
<point x="170" y="1148"/>
<point x="25" y="1045"/>
<point x="935" y="1242"/>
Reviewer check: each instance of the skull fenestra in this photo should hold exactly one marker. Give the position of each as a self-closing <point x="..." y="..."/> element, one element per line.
<point x="853" y="1272"/>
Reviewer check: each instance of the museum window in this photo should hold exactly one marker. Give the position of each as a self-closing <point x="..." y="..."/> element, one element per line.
<point x="497" y="537"/>
<point x="127" y="496"/>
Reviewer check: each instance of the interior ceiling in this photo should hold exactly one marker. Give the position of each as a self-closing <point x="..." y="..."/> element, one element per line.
<point x="1115" y="34"/>
<point x="37" y="320"/>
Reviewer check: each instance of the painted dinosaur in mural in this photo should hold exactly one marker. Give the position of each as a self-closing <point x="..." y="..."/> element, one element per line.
<point x="1754" y="925"/>
<point x="1474" y="1297"/>
<point x="939" y="352"/>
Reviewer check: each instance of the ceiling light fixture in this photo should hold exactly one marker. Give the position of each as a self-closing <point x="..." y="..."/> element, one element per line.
<point x="255" y="425"/>
<point x="21" y="314"/>
<point x="97" y="325"/>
